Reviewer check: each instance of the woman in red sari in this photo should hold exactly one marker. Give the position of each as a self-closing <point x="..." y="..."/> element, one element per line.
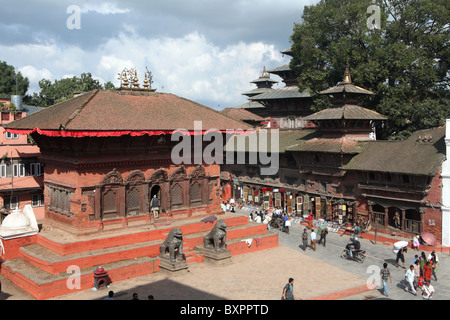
<point x="427" y="271"/>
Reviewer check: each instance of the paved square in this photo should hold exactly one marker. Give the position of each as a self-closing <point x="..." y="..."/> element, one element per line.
<point x="254" y="276"/>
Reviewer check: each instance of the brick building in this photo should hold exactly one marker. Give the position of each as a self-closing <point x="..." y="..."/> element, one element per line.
<point x="21" y="174"/>
<point x="106" y="154"/>
<point x="340" y="172"/>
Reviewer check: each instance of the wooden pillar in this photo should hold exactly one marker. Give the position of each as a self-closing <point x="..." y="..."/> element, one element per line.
<point x="422" y="218"/>
<point x="97" y="203"/>
<point x="386" y="217"/>
<point x="370" y="210"/>
<point x="403" y="220"/>
<point x="121" y="205"/>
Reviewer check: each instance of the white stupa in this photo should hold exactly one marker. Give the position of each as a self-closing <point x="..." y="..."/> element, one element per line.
<point x="19" y="224"/>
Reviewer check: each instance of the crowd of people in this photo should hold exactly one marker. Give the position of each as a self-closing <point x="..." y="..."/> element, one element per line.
<point x="417" y="276"/>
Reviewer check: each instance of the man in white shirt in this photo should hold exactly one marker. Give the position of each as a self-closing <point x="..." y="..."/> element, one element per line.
<point x="427" y="291"/>
<point x="313" y="240"/>
<point x="409" y="277"/>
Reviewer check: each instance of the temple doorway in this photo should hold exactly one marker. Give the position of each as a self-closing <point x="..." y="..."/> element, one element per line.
<point x="156" y="190"/>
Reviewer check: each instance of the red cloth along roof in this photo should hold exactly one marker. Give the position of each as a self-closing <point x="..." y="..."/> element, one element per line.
<point x="106" y="113"/>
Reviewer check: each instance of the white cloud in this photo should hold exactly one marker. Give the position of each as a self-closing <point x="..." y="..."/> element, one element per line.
<point x="102" y="8"/>
<point x="188" y="66"/>
<point x="35" y="75"/>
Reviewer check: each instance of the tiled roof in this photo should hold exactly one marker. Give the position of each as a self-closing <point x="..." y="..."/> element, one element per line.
<point x="250" y="105"/>
<point x="257" y="91"/>
<point x="346" y="87"/>
<point x="101" y="110"/>
<point x="410" y="156"/>
<point x="287" y="138"/>
<point x="241" y="114"/>
<point x="288" y="92"/>
<point x="328" y="145"/>
<point x="346" y="112"/>
<point x="282" y="68"/>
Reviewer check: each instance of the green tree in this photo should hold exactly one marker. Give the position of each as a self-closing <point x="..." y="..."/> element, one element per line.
<point x="12" y="83"/>
<point x="63" y="89"/>
<point x="404" y="62"/>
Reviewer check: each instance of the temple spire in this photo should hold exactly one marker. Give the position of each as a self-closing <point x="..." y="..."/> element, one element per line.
<point x="347" y="78"/>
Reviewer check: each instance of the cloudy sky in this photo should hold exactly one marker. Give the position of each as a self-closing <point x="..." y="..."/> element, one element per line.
<point x="204" y="50"/>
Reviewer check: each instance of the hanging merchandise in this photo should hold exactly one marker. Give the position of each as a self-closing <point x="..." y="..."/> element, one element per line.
<point x="290" y="204"/>
<point x="300" y="205"/>
<point x="318" y="207"/>
<point x="277" y="199"/>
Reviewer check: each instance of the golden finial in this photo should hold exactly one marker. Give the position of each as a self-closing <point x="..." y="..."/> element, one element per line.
<point x="123" y="79"/>
<point x="135" y="79"/>
<point x="146" y="82"/>
<point x="264" y="73"/>
<point x="347" y="78"/>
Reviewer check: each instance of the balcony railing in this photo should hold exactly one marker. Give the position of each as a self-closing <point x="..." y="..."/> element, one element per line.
<point x="412" y="226"/>
<point x="378" y="218"/>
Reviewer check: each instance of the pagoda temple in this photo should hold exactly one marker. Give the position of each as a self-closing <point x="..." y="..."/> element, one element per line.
<point x="284" y="107"/>
<point x="107" y="156"/>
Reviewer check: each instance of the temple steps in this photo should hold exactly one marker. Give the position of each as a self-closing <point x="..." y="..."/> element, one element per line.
<point x="42" y="268"/>
<point x="43" y="285"/>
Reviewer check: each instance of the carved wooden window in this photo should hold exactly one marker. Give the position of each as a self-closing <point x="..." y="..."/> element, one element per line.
<point x="176" y="196"/>
<point x="195" y="193"/>
<point x="109" y="203"/>
<point x="60" y="200"/>
<point x="133" y="201"/>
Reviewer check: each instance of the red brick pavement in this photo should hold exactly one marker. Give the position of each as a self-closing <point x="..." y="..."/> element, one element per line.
<point x="254" y="276"/>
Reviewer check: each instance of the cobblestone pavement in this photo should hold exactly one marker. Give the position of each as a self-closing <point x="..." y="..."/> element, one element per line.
<point x="377" y="254"/>
<point x="262" y="275"/>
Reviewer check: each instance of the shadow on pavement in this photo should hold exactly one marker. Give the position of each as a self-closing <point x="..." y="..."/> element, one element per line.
<point x="165" y="289"/>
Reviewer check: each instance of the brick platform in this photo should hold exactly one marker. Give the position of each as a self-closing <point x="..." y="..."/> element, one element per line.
<point x="41" y="268"/>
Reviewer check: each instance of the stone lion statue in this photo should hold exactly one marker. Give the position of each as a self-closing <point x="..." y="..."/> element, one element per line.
<point x="217" y="237"/>
<point x="173" y="245"/>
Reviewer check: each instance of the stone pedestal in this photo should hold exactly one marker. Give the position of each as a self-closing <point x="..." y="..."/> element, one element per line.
<point x="173" y="268"/>
<point x="216" y="258"/>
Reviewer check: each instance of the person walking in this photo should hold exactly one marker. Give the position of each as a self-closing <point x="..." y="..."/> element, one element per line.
<point x="427" y="290"/>
<point x="409" y="278"/>
<point x="416" y="273"/>
<point x="305" y="238"/>
<point x="385" y="276"/>
<point x="422" y="262"/>
<point x="288" y="290"/>
<point x="155" y="206"/>
<point x="401" y="256"/>
<point x="435" y="262"/>
<point x="313" y="240"/>
<point x="427" y="271"/>
<point x="323" y="236"/>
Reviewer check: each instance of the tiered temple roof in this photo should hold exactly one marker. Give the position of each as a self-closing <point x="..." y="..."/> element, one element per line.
<point x="107" y="113"/>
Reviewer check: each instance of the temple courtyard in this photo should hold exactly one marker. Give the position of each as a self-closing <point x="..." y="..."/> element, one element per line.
<point x="261" y="275"/>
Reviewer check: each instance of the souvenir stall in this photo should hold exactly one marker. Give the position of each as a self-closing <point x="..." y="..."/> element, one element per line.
<point x="290" y="203"/>
<point x="267" y="198"/>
